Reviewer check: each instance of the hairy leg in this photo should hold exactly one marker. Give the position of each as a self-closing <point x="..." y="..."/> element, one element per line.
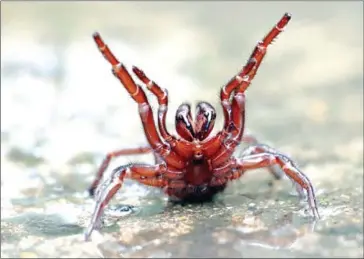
<point x="145" y="111"/>
<point x="157" y="176"/>
<point x="106" y="161"/>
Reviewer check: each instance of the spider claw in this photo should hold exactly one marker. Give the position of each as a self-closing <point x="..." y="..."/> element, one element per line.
<point x="301" y="192"/>
<point x="90" y="229"/>
<point x="88" y="233"/>
<point x="315" y="214"/>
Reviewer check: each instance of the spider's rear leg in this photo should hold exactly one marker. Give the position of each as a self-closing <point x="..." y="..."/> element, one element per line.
<point x="258" y="148"/>
<point x="106" y="161"/>
<point x="157" y="176"/>
<point x="272" y="157"/>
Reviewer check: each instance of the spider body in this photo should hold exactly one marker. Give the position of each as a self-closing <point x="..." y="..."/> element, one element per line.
<point x="194" y="166"/>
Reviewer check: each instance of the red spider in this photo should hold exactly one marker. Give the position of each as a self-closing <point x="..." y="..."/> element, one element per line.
<point x="193" y="167"/>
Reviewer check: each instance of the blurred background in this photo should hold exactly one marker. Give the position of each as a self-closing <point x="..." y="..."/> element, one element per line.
<point x="62" y="109"/>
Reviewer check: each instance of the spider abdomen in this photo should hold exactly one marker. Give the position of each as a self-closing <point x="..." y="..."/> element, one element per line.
<point x="195" y="194"/>
<point x="197" y="179"/>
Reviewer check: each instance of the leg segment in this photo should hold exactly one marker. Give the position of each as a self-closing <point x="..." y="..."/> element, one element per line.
<point x="256" y="149"/>
<point x="243" y="79"/>
<point x="226" y="90"/>
<point x="157" y="176"/>
<point x="269" y="159"/>
<point x="261" y="49"/>
<point x="226" y="142"/>
<point x="162" y="96"/>
<point x="235" y="112"/>
<point x="275" y="170"/>
<point x="107" y="160"/>
<point x="180" y="145"/>
<point x="145" y="111"/>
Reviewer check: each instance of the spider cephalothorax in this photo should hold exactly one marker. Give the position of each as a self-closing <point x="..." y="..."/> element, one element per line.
<point x="195" y="166"/>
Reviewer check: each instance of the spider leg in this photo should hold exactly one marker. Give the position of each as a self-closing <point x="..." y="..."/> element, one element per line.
<point x="258" y="148"/>
<point x="162" y="96"/>
<point x="242" y="80"/>
<point x="226" y="90"/>
<point x="177" y="145"/>
<point x="145" y="111"/>
<point x="256" y="58"/>
<point x="275" y="170"/>
<point x="261" y="160"/>
<point x="225" y="142"/>
<point x="234" y="111"/>
<point x="227" y="149"/>
<point x="156" y="175"/>
<point x="106" y="161"/>
<point x="261" y="49"/>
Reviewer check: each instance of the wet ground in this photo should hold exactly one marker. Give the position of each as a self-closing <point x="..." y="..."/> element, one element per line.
<point x="252" y="218"/>
<point x="62" y="110"/>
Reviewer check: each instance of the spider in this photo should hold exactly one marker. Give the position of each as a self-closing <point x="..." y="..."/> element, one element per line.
<point x="194" y="166"/>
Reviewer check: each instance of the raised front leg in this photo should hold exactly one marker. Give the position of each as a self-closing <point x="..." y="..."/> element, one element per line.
<point x="234" y="111"/>
<point x="180" y="146"/>
<point x="157" y="176"/>
<point x="242" y="80"/>
<point x="260" y="51"/>
<point x="109" y="157"/>
<point x="162" y="96"/>
<point x="145" y="111"/>
<point x="226" y="91"/>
